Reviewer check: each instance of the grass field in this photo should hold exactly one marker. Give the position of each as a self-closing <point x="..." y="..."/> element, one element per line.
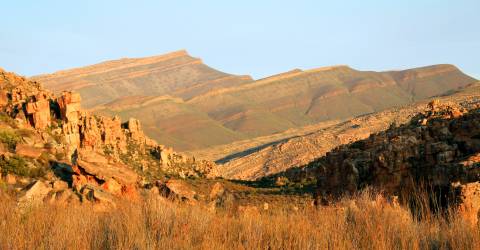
<point x="364" y="222"/>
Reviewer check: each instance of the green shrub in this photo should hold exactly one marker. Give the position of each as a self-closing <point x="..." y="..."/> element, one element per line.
<point x="9" y="138"/>
<point x="44" y="159"/>
<point x="19" y="166"/>
<point x="15" y="165"/>
<point x="39" y="171"/>
<point x="108" y="151"/>
<point x="7" y="119"/>
<point x="59" y="156"/>
<point x="25" y="132"/>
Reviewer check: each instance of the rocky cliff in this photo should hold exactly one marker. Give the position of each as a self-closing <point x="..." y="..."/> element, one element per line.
<point x="439" y="148"/>
<point x="45" y="136"/>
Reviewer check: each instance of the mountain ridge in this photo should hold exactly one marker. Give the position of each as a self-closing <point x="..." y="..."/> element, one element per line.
<point x="298" y="150"/>
<point x="201" y="107"/>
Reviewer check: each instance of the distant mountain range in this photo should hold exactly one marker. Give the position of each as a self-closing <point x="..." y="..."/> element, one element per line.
<point x="186" y="104"/>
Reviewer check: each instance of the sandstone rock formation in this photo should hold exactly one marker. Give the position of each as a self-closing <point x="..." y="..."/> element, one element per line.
<point x="181" y="190"/>
<point x="28" y="151"/>
<point x="36" y="192"/>
<point x="438" y="148"/>
<point x="70" y="106"/>
<point x="38" y="110"/>
<point x="94" y="169"/>
<point x="99" y="157"/>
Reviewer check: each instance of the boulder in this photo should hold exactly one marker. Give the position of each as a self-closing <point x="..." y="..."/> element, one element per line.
<point x="469" y="200"/>
<point x="61" y="197"/>
<point x="217" y="190"/>
<point x="96" y="194"/>
<point x="112" y="186"/>
<point x="95" y="170"/>
<point x="59" y="185"/>
<point x="90" y="133"/>
<point x="135" y="133"/>
<point x="98" y="165"/>
<point x="36" y="192"/>
<point x="3" y="97"/>
<point x="113" y="134"/>
<point x="28" y="151"/>
<point x="178" y="189"/>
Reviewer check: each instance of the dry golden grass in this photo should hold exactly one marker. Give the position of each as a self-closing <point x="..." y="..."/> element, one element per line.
<point x="365" y="222"/>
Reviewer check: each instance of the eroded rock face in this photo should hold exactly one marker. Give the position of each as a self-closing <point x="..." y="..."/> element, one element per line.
<point x="173" y="160"/>
<point x="95" y="170"/>
<point x="176" y="189"/>
<point x="38" y="110"/>
<point x="70" y="106"/>
<point x="97" y="156"/>
<point x="468" y="196"/>
<point x="35" y="193"/>
<point x="438" y="148"/>
<point x="112" y="133"/>
<point x="28" y="151"/>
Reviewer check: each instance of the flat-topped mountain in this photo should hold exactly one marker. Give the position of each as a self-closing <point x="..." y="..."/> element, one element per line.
<point x="187" y="104"/>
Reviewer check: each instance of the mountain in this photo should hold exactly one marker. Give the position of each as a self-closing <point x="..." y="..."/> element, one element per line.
<point x="303" y="146"/>
<point x="176" y="74"/>
<point x="188" y="105"/>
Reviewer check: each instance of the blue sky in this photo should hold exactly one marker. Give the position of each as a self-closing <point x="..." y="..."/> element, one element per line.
<point x="259" y="38"/>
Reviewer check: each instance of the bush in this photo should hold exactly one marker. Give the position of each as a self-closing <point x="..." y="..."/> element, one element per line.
<point x="9" y="138"/>
<point x="17" y="165"/>
<point x="25" y="132"/>
<point x="59" y="156"/>
<point x="44" y="159"/>
<point x="8" y="120"/>
<point x="14" y="165"/>
<point x="108" y="151"/>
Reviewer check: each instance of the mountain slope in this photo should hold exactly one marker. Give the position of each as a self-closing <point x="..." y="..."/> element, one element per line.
<point x="191" y="106"/>
<point x="300" y="149"/>
<point x="176" y="74"/>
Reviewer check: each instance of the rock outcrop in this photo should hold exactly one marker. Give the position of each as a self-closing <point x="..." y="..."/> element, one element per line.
<point x="99" y="157"/>
<point x="114" y="177"/>
<point x="38" y="110"/>
<point x="438" y="148"/>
